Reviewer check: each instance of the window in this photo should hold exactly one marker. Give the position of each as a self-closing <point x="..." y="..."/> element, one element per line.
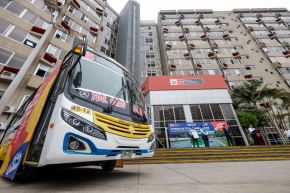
<point x="206" y="112"/>
<point x="43" y="70"/>
<point x="4" y="26"/>
<point x="195" y="112"/>
<point x="3" y="3"/>
<point x="216" y="111"/>
<point x="18" y="34"/>
<point x="5" y="55"/>
<point x="15" y="8"/>
<point x="16" y="61"/>
<point x="53" y="50"/>
<point x="30" y="17"/>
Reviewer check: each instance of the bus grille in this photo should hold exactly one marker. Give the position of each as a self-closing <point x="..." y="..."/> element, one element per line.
<point x="122" y="128"/>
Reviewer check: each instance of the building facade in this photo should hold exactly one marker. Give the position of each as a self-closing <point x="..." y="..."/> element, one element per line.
<point x="29" y="37"/>
<point x="199" y="99"/>
<point x="240" y="45"/>
<point x="227" y="43"/>
<point x="128" y="52"/>
<point x="150" y="53"/>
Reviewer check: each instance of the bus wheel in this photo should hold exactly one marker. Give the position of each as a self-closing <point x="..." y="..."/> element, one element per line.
<point x="108" y="166"/>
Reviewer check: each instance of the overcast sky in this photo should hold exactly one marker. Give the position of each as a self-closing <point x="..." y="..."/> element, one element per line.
<point x="150" y="8"/>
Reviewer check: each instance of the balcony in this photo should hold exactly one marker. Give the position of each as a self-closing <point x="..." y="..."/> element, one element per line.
<point x="99" y="11"/>
<point x="204" y="37"/>
<point x="198" y="66"/>
<point x="226" y="36"/>
<point x="38" y="31"/>
<point x="187" y="56"/>
<point x="249" y="77"/>
<point x="94" y="30"/>
<point x="165" y="30"/>
<point x="234" y="78"/>
<point x="286" y="53"/>
<point x="172" y="67"/>
<point x="214" y="45"/>
<point x="64" y="25"/>
<point x="163" y="17"/>
<point x="259" y="21"/>
<point x="181" y="38"/>
<point x="198" y="22"/>
<point x="35" y="81"/>
<point x="217" y="22"/>
<point x="207" y="29"/>
<point x="272" y="35"/>
<point x="76" y="3"/>
<point x="48" y="59"/>
<point x="178" y="23"/>
<point x="186" y="30"/>
<point x="236" y="54"/>
<point x="191" y="46"/>
<point x="181" y="16"/>
<point x="279" y="20"/>
<point x="211" y="55"/>
<point x="168" y="46"/>
<point x="224" y="66"/>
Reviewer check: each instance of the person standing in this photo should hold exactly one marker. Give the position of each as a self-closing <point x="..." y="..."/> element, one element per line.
<point x="287" y="133"/>
<point x="252" y="132"/>
<point x="228" y="136"/>
<point x="194" y="136"/>
<point x="204" y="134"/>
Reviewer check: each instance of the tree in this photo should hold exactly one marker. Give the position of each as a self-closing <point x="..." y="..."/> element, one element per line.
<point x="251" y="92"/>
<point x="246" y="119"/>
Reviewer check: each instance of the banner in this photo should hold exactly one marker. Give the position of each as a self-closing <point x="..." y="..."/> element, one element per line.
<point x="20" y="143"/>
<point x="179" y="133"/>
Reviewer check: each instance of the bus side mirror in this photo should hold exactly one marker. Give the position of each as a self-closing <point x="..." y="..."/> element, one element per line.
<point x="78" y="79"/>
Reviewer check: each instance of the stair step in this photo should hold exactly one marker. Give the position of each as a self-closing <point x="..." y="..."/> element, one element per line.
<point x="204" y="161"/>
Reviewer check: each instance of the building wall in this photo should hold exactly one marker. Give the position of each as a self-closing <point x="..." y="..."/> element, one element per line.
<point x="128" y="52"/>
<point x="217" y="42"/>
<point x="22" y="27"/>
<point x="150" y="53"/>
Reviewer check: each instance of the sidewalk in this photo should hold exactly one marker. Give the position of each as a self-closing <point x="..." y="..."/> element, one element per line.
<point x="230" y="177"/>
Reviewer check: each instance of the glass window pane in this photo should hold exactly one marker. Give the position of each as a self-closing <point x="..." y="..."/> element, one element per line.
<point x="205" y="110"/>
<point x="30" y="17"/>
<point x="227" y="111"/>
<point x="3" y="3"/>
<point x="15" y="8"/>
<point x="158" y="113"/>
<point x="4" y="55"/>
<point x="179" y="113"/>
<point x="168" y="113"/>
<point x="17" y="61"/>
<point x="216" y="111"/>
<point x="195" y="112"/>
<point x="3" y="26"/>
<point x="18" y="34"/>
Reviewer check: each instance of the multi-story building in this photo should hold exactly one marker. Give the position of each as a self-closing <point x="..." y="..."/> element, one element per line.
<point x="29" y="38"/>
<point x="150" y="53"/>
<point x="128" y="52"/>
<point x="226" y="42"/>
<point x="238" y="45"/>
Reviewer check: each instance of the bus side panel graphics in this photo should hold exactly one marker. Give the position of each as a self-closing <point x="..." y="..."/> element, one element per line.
<point x="21" y="140"/>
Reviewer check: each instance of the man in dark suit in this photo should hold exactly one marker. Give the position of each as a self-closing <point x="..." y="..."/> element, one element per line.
<point x="228" y="136"/>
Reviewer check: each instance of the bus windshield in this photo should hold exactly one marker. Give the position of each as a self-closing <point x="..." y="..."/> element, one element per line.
<point x="103" y="83"/>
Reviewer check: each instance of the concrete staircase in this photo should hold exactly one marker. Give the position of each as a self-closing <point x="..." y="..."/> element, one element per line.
<point x="215" y="154"/>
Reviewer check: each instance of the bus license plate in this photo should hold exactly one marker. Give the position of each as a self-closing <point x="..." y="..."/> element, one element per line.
<point x="127" y="154"/>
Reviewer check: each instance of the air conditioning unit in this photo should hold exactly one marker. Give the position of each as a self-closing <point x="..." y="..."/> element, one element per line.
<point x="8" y="74"/>
<point x="9" y="109"/>
<point x="3" y="125"/>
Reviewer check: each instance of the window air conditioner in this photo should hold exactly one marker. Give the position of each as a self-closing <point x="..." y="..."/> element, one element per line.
<point x="9" y="109"/>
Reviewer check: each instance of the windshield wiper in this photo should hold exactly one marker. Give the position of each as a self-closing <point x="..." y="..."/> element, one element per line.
<point x="110" y="106"/>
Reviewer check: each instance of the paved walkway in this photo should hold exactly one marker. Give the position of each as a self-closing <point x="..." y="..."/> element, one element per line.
<point x="232" y="177"/>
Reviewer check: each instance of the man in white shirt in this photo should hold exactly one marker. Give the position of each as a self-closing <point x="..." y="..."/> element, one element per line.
<point x="287" y="133"/>
<point x="194" y="136"/>
<point x="252" y="132"/>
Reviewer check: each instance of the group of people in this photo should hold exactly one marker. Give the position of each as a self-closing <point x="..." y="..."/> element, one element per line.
<point x="204" y="135"/>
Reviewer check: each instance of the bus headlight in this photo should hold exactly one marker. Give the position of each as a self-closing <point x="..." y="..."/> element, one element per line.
<point x="150" y="138"/>
<point x="82" y="125"/>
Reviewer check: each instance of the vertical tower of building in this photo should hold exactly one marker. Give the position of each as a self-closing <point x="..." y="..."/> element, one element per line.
<point x="150" y="53"/>
<point x="128" y="52"/>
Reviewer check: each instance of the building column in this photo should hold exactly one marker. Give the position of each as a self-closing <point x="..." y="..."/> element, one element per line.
<point x="239" y="125"/>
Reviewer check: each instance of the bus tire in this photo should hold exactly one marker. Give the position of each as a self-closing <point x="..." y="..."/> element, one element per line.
<point x="108" y="166"/>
